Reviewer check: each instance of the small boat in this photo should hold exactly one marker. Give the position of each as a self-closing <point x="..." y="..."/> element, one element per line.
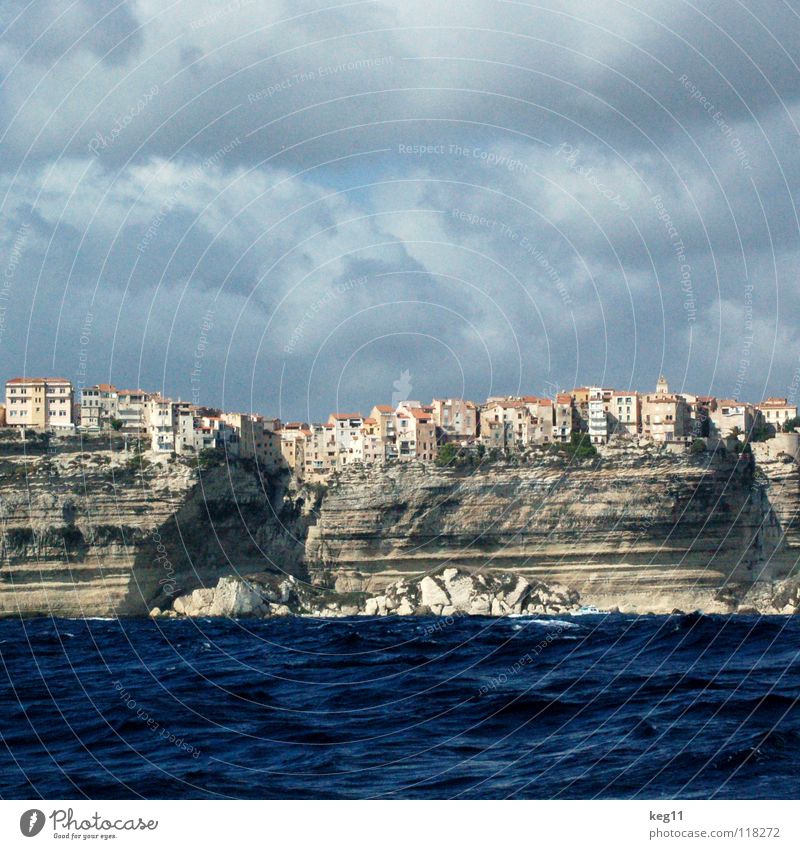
<point x="587" y="610"/>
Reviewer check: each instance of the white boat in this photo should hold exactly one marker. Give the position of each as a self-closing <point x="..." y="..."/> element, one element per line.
<point x="587" y="610"/>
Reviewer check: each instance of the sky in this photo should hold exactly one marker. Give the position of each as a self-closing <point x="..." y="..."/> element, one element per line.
<point x="296" y="207"/>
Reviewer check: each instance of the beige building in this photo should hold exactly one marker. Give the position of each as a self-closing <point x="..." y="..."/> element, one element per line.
<point x="625" y="413"/>
<point x="130" y="409"/>
<point x="41" y="403"/>
<point x="321" y="452"/>
<point x="729" y="415"/>
<point x="383" y="415"/>
<point x="515" y="419"/>
<point x="456" y="417"/>
<point x="415" y="433"/>
<point x="99" y="406"/>
<point x="775" y="412"/>
<point x="700" y="407"/>
<point x="368" y="447"/>
<point x="493" y="434"/>
<point x="665" y="415"/>
<point x="259" y="438"/>
<point x="562" y="417"/>
<point x="541" y="426"/>
<point x="293" y="436"/>
<point x="580" y="406"/>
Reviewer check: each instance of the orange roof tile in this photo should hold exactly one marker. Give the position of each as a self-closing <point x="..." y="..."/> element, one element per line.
<point x="38" y="380"/>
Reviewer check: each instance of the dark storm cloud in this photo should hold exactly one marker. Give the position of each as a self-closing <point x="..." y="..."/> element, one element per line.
<point x="491" y="196"/>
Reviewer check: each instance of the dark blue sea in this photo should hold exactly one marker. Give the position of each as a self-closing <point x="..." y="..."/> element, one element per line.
<point x="586" y="707"/>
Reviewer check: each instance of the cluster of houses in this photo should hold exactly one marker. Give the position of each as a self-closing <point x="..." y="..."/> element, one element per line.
<point x="409" y="430"/>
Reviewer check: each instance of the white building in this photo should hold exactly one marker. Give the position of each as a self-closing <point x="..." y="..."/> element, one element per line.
<point x="775" y="412"/>
<point x="346" y="428"/>
<point x="598" y="410"/>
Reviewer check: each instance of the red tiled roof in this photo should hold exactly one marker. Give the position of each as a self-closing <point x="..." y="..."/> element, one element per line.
<point x="776" y="402"/>
<point x="341" y="416"/>
<point x="513" y="404"/>
<point x="384" y="408"/>
<point x="38" y="380"/>
<point x="564" y="398"/>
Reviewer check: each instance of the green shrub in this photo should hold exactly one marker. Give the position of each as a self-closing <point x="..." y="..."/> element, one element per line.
<point x="579" y="447"/>
<point x="447" y="455"/>
<point x="791" y="424"/>
<point x="760" y="434"/>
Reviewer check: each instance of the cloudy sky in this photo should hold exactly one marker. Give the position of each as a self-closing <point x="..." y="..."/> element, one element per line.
<point x="283" y="206"/>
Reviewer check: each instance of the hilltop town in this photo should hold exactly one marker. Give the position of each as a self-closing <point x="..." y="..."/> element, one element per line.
<point x="586" y="417"/>
<point x="414" y="507"/>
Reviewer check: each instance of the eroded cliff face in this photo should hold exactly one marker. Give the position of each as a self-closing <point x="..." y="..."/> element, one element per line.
<point x="638" y="531"/>
<point x="97" y="533"/>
